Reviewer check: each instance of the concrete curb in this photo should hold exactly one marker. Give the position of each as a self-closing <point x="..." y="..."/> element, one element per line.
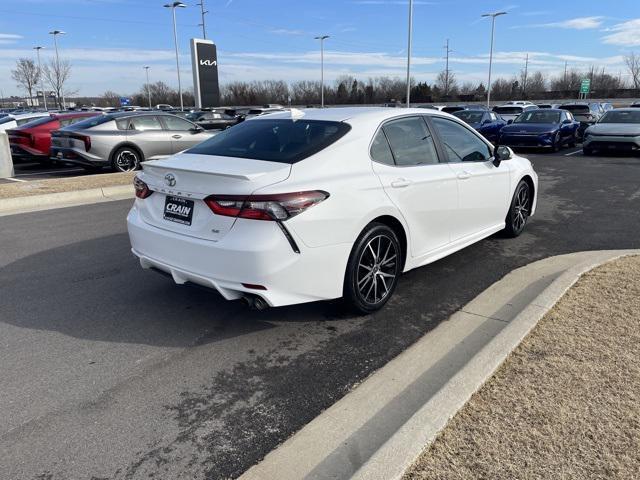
<point x="379" y="429"/>
<point x="11" y="206"/>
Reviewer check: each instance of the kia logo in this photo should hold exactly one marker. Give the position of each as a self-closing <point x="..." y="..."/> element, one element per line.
<point x="170" y="179"/>
<point x="209" y="63"/>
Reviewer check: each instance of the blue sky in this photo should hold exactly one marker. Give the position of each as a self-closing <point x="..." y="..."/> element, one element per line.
<point x="109" y="41"/>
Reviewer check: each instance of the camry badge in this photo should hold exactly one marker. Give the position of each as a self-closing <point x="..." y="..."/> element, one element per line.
<point x="170" y="179"/>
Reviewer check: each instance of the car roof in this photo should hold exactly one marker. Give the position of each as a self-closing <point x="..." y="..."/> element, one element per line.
<point x="20" y="116"/>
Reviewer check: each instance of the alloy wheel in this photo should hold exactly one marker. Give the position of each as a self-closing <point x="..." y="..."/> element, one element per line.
<point x="377" y="269"/>
<point x="126" y="160"/>
<point x="521" y="208"/>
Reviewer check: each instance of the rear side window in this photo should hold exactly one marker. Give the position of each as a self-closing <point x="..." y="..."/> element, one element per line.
<point x="380" y="151"/>
<point x="411" y="141"/>
<point x="144" y="123"/>
<point x="460" y="144"/>
<point x="282" y="140"/>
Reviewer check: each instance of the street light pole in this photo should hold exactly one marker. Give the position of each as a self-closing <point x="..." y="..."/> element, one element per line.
<point x="173" y="7"/>
<point x="493" y="25"/>
<point x="203" y="12"/>
<point x="146" y="67"/>
<point x="409" y="54"/>
<point x="55" y="34"/>
<point x="322" y="38"/>
<point x="44" y="95"/>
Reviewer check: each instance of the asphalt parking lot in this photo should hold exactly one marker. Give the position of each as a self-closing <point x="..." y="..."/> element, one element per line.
<point x="112" y="372"/>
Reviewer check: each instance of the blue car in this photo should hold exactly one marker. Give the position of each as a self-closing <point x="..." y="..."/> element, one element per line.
<point x="548" y="128"/>
<point x="486" y="123"/>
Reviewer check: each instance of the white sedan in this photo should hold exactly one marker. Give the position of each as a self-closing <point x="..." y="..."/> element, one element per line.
<point x="318" y="204"/>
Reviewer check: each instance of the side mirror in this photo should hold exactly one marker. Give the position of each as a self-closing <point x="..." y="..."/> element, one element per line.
<point x="195" y="130"/>
<point x="566" y="121"/>
<point x="486" y="121"/>
<point x="501" y="154"/>
<point x="510" y="121"/>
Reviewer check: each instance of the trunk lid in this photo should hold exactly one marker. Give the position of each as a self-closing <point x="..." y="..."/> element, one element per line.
<point x="181" y="182"/>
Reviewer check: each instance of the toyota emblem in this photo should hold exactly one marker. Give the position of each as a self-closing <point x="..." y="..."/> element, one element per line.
<point x="170" y="179"/>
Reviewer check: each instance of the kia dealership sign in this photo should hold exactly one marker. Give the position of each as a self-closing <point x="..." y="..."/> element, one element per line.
<point x="204" y="59"/>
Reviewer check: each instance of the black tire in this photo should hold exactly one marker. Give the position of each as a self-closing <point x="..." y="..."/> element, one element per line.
<point x="519" y="210"/>
<point x="375" y="263"/>
<point x="125" y="159"/>
<point x="587" y="151"/>
<point x="557" y="143"/>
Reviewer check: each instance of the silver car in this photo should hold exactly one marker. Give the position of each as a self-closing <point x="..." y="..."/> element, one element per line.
<point x="123" y="140"/>
<point x="617" y="130"/>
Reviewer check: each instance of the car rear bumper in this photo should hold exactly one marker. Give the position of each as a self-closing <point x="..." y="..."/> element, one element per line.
<point x="77" y="157"/>
<point x="19" y="151"/>
<point x="253" y="253"/>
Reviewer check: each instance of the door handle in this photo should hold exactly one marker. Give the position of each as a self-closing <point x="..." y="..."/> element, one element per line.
<point x="400" y="183"/>
<point x="176" y="136"/>
<point x="464" y="175"/>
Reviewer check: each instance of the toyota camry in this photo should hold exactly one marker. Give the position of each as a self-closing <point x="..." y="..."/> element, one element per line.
<point x="321" y="204"/>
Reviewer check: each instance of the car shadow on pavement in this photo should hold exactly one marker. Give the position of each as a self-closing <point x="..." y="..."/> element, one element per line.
<point x="97" y="290"/>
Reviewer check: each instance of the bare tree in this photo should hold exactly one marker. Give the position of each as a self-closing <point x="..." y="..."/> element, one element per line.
<point x="26" y="74"/>
<point x="56" y="74"/>
<point x="633" y="65"/>
<point x="109" y="99"/>
<point x="536" y="83"/>
<point x="447" y="82"/>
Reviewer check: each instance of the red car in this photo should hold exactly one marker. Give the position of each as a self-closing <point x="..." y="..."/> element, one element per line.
<point x="33" y="139"/>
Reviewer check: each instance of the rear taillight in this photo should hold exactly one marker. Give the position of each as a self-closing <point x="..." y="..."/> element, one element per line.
<point x="277" y="207"/>
<point x="141" y="188"/>
<point x="83" y="138"/>
<point x="23" y="138"/>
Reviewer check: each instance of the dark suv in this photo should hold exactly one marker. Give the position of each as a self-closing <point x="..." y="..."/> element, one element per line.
<point x="586" y="113"/>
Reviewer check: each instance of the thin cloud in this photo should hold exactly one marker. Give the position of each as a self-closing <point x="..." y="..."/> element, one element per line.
<point x="579" y="23"/>
<point x="285" y="31"/>
<point x="625" y="34"/>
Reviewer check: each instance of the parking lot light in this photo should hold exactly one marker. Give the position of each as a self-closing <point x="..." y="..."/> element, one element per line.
<point x="173" y="7"/>
<point x="55" y="34"/>
<point x="493" y="25"/>
<point x="322" y="38"/>
<point x="44" y="95"/>
<point x="409" y="54"/>
<point x="147" y="67"/>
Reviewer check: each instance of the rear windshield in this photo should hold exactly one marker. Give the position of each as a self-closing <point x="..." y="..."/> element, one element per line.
<point x="537" y="116"/>
<point x="620" y="116"/>
<point x="508" y="110"/>
<point x="283" y="141"/>
<point x="469" y="116"/>
<point x="452" y="109"/>
<point x="576" y="108"/>
<point x="38" y="121"/>
<point x="90" y="122"/>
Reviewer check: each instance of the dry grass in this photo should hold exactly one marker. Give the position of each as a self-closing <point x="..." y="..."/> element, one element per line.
<point x="566" y="403"/>
<point x="84" y="182"/>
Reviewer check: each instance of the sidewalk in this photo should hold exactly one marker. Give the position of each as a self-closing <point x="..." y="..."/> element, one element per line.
<point x="566" y="403"/>
<point x="55" y="193"/>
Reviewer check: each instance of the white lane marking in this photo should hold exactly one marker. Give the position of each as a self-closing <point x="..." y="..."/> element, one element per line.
<point x="47" y="172"/>
<point x="15" y="179"/>
<point x="573" y="153"/>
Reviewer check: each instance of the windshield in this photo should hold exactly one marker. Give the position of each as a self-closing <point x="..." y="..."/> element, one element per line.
<point x="576" y="108"/>
<point x="536" y="116"/>
<point x="508" y="110"/>
<point x="284" y="141"/>
<point x="621" y="116"/>
<point x="90" y="122"/>
<point x="469" y="116"/>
